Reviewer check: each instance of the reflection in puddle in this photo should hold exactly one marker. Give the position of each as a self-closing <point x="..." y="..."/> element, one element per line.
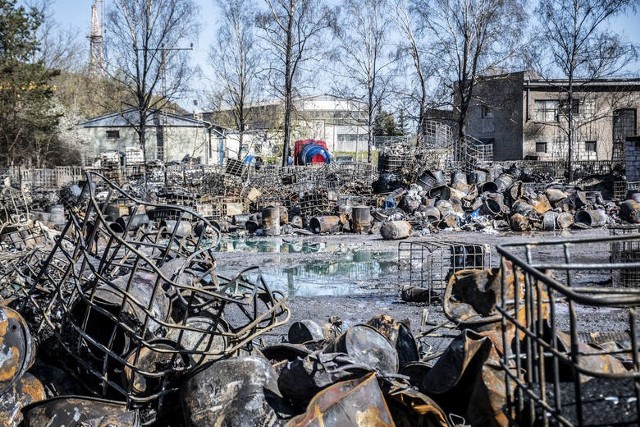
<point x="350" y="273"/>
<point x="278" y="246"/>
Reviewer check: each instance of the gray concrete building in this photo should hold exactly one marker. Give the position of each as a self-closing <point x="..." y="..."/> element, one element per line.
<point x="168" y="137"/>
<point x="525" y="117"/>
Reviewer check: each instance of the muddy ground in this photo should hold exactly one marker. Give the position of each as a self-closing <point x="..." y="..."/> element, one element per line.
<point x="357" y="277"/>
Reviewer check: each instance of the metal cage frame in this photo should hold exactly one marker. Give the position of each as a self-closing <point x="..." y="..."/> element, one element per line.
<point x="442" y="260"/>
<point x="552" y="286"/>
<point x="134" y="307"/>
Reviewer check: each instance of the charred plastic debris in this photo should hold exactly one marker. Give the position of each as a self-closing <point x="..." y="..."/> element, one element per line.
<point x="113" y="312"/>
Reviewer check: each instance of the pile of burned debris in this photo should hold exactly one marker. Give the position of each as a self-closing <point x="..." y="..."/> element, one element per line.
<point x="118" y="316"/>
<point x="418" y="192"/>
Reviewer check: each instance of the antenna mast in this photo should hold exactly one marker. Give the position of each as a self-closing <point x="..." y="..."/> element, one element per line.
<point x="96" y="62"/>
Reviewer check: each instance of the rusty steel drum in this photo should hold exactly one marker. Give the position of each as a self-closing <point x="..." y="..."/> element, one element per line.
<point x="361" y="219"/>
<point x="394" y="230"/>
<point x="231" y="392"/>
<point x="592" y="217"/>
<point x="325" y="224"/>
<point x="271" y="220"/>
<point x="196" y="337"/>
<point x="17" y="348"/>
<point x="357" y="402"/>
<point x="366" y="345"/>
<point x="24" y="392"/>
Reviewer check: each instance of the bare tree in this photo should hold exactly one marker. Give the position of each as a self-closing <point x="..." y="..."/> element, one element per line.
<point x="148" y="40"/>
<point x="471" y="37"/>
<point x="412" y="47"/>
<point x="292" y="30"/>
<point x="581" y="49"/>
<point x="235" y="61"/>
<point x="365" y="56"/>
<point x="59" y="46"/>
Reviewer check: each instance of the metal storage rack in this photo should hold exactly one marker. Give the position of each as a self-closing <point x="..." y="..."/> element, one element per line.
<point x="570" y="331"/>
<point x="431" y="262"/>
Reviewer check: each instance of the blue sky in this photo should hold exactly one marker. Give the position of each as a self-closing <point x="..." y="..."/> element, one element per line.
<point x="77" y="15"/>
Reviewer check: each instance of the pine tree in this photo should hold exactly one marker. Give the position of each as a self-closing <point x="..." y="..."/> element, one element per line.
<point x="27" y="121"/>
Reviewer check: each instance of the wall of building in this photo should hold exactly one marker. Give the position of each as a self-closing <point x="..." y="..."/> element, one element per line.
<point x="523" y="117"/>
<point x="495" y="115"/>
<point x="593" y="124"/>
<point x="178" y="142"/>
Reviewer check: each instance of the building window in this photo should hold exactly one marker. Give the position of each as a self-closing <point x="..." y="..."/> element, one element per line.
<point x="350" y="137"/>
<point x="546" y="110"/>
<point x="575" y="109"/>
<point x="590" y="146"/>
<point x="113" y="134"/>
<point x="487" y="111"/>
<point x="541" y="147"/>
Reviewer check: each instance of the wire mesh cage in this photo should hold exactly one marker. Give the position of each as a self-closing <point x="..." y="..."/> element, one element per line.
<point x="428" y="264"/>
<point x="570" y="331"/>
<point x="134" y="303"/>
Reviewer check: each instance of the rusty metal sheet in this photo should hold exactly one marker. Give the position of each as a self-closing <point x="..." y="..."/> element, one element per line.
<point x="467" y="380"/>
<point x="358" y="402"/>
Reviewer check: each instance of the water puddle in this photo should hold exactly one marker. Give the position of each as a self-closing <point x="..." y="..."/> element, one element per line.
<point x="276" y="246"/>
<point x="350" y="272"/>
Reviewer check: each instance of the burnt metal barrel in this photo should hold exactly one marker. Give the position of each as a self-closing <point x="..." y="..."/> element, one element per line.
<point x="271" y="220"/>
<point x="394" y="230"/>
<point x="325" y="224"/>
<point x="366" y="345"/>
<point x="18" y="348"/>
<point x="592" y="217"/>
<point x="361" y="218"/>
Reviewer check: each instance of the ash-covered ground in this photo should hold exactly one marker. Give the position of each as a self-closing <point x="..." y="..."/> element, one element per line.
<point x="357" y="277"/>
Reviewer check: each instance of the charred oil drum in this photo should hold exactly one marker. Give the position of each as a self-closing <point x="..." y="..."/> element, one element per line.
<point x="176" y="228"/>
<point x="368" y="346"/>
<point x="271" y="221"/>
<point x="630" y="210"/>
<point x="592" y="217"/>
<point x="17" y="349"/>
<point x="110" y="318"/>
<point x="324" y="224"/>
<point x="198" y="336"/>
<point x="27" y="390"/>
<point x="395" y="230"/>
<point x="304" y="331"/>
<point x="549" y="221"/>
<point x="347" y="403"/>
<point x="519" y="222"/>
<point x="504" y="182"/>
<point x="76" y="411"/>
<point x="231" y="392"/>
<point x="148" y="369"/>
<point x="361" y="219"/>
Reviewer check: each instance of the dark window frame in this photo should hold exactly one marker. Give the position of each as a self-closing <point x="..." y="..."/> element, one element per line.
<point x="113" y="134"/>
<point x="589" y="144"/>
<point x="546" y="110"/>
<point x="543" y="144"/>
